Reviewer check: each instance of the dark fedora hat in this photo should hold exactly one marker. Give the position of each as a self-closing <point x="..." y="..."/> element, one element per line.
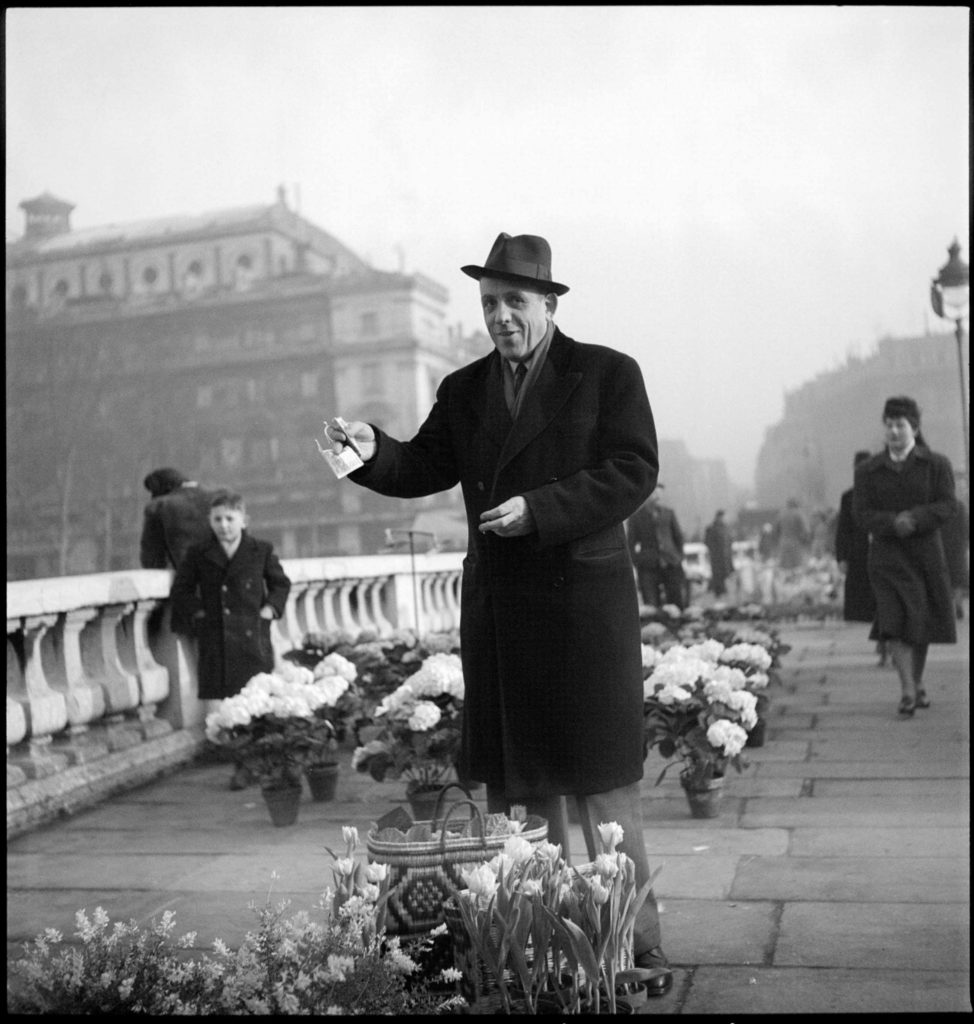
<point x="524" y="258"/>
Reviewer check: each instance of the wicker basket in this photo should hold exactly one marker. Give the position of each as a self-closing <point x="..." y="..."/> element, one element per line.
<point x="421" y="874"/>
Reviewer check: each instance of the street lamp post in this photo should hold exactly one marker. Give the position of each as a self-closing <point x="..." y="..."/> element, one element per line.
<point x="950" y="294"/>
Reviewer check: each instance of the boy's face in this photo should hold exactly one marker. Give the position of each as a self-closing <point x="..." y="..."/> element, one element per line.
<point x="227" y="523"/>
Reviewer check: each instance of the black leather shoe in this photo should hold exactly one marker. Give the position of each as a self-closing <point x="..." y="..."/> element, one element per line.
<point x="655" y="958"/>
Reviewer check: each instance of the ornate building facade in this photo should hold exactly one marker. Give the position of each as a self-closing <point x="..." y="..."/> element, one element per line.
<point x="216" y="344"/>
<point x="808" y="454"/>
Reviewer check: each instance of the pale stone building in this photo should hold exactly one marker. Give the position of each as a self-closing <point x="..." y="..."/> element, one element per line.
<point x="217" y="344"/>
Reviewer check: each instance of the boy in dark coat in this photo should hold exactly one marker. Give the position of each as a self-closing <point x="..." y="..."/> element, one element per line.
<point x="226" y="592"/>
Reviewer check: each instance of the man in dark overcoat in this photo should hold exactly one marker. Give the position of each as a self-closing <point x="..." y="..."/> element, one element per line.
<point x="554" y="445"/>
<point x="719" y="547"/>
<point x="656" y="546"/>
<point x="851" y="552"/>
<point x="176" y="516"/>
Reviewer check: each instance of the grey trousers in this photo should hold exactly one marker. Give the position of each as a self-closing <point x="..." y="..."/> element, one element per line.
<point x="622" y="806"/>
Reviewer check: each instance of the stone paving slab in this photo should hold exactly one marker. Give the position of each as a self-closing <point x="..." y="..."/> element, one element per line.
<point x="880" y="842"/>
<point x="853" y="879"/>
<point x="919" y="769"/>
<point x="735" y="991"/>
<point x="29" y="912"/>
<point x="700" y="931"/>
<point x="869" y="935"/>
<point x="100" y="874"/>
<point x="839" y="811"/>
<point x="956" y="789"/>
<point x="720" y="842"/>
<point x="693" y="877"/>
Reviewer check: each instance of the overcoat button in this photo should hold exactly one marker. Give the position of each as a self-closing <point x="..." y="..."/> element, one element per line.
<point x="558" y="581"/>
<point x="480" y="485"/>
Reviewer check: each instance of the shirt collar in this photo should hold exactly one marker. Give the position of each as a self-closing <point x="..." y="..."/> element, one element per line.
<point x="539" y="350"/>
<point x="904" y="456"/>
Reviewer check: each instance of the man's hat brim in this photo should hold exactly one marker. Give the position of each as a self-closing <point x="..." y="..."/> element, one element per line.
<point x="534" y="283"/>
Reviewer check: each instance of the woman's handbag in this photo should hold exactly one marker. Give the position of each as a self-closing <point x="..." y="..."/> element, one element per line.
<point x="422" y="869"/>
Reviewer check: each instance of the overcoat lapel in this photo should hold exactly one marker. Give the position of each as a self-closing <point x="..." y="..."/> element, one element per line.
<point x="214" y="552"/>
<point x="496" y="416"/>
<point x="541" y="404"/>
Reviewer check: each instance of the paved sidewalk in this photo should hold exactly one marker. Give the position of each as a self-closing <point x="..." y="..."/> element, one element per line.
<point x="836" y="880"/>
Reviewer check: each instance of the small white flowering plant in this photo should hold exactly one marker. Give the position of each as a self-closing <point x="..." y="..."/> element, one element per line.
<point x="333" y="960"/>
<point x="417" y="734"/>
<point x="548" y="932"/>
<point x="273" y="726"/>
<point x="697" y="708"/>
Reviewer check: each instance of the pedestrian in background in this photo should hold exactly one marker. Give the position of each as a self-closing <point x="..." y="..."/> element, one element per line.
<point x="902" y="497"/>
<point x="791" y="534"/>
<point x="851" y="553"/>
<point x="718" y="540"/>
<point x="177" y="516"/>
<point x="957" y="538"/>
<point x="553" y="443"/>
<point x="226" y="591"/>
<point x="656" y="547"/>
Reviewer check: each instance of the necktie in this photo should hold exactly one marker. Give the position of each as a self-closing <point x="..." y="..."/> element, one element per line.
<point x="519" y="374"/>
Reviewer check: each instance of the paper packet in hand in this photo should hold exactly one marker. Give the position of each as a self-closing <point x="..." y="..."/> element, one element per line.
<point x="347" y="460"/>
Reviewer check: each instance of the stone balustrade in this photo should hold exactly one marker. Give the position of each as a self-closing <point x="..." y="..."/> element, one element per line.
<point x="96" y="679"/>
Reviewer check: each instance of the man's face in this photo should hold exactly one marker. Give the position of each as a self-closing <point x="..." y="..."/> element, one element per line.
<point x="516" y="317"/>
<point x="226" y="523"/>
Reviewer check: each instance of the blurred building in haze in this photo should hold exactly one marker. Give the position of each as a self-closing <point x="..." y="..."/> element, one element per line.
<point x="808" y="454"/>
<point x="216" y="344"/>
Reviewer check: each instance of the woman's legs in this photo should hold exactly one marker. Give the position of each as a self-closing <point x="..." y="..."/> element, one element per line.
<point x="919" y="652"/>
<point x="902" y="655"/>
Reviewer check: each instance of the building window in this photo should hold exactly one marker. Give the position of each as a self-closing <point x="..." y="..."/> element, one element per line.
<point x="369" y="325"/>
<point x="232" y="451"/>
<point x="371" y="378"/>
<point x="61" y="288"/>
<point x="150" y="275"/>
<point x="105" y="282"/>
<point x="245" y="262"/>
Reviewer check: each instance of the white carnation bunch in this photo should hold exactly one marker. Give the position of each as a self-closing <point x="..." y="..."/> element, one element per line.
<point x="727" y="735"/>
<point x="747" y="654"/>
<point x="335" y="664"/>
<point x="440" y="673"/>
<point x="424" y="716"/>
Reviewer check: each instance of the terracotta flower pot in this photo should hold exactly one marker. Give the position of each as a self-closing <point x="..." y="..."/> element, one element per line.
<point x="283" y="804"/>
<point x="705" y="798"/>
<point x="322" y="781"/>
<point x="755" y="738"/>
<point x="422" y="800"/>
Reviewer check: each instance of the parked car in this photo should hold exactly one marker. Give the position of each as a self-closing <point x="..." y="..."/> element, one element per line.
<point x="696" y="563"/>
<point x="744" y="552"/>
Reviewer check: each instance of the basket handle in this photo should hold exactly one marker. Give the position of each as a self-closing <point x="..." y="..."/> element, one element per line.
<point x="442" y="793"/>
<point x="476" y="814"/>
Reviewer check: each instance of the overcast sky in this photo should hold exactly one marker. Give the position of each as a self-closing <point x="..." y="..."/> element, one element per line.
<point x="738" y="197"/>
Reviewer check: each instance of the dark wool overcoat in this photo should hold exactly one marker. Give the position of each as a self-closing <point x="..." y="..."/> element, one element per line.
<point x="171" y="523"/>
<point x="908" y="574"/>
<point x="549" y="623"/>
<point x="852" y="547"/>
<point x="234" y="641"/>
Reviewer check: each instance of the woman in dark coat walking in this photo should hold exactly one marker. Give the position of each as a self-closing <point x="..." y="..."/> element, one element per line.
<point x="902" y="497"/>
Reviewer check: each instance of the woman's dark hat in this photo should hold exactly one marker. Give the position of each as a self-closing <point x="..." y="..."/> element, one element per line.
<point x="902" y="406"/>
<point x="524" y="258"/>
